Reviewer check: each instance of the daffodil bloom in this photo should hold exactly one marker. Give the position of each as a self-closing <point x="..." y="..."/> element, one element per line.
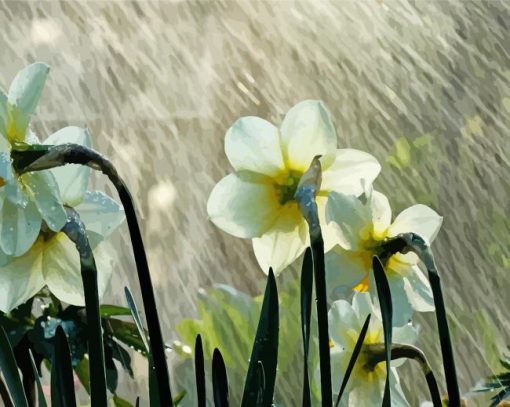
<point x="366" y="383"/>
<point x="28" y="199"/>
<point x="257" y="201"/>
<point x="53" y="260"/>
<point x="361" y="226"/>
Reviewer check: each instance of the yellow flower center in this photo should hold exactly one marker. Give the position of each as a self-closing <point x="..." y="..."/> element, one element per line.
<point x="286" y="188"/>
<point x="2" y="182"/>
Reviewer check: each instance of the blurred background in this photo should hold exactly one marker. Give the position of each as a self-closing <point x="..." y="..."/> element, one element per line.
<point x="424" y="86"/>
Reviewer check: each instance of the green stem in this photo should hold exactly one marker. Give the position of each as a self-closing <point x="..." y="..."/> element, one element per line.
<point x="411" y="242"/>
<point x="75" y="231"/>
<point x="59" y="155"/>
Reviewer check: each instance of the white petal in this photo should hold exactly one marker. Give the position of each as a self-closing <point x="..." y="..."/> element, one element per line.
<point x="381" y="213"/>
<point x="72" y="179"/>
<point x="254" y="144"/>
<point x="19" y="227"/>
<point x="62" y="273"/>
<point x="27" y="86"/>
<point x="350" y="171"/>
<point x="419" y="293"/>
<point x="339" y="362"/>
<point x="307" y="131"/>
<point x="284" y="242"/>
<point x="345" y="270"/>
<point x="21" y="279"/>
<point x="419" y="219"/>
<point x="351" y="219"/>
<point x="100" y="214"/>
<point x="362" y="305"/>
<point x="397" y="394"/>
<point x="370" y="394"/>
<point x="344" y="325"/>
<point x="407" y="334"/>
<point x="243" y="206"/>
<point x="44" y="192"/>
<point x="329" y="234"/>
<point x="6" y="173"/>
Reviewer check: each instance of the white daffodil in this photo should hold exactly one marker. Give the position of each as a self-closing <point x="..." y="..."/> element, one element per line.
<point x="361" y="227"/>
<point x="366" y="383"/>
<point x="28" y="199"/>
<point x="257" y="201"/>
<point x="53" y="259"/>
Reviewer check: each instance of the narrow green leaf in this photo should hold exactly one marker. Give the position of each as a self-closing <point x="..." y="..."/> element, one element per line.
<point x="62" y="384"/>
<point x="82" y="370"/>
<point x="219" y="379"/>
<point x="136" y="317"/>
<point x="120" y="402"/>
<point x="4" y="394"/>
<point x="107" y="310"/>
<point x="259" y="389"/>
<point x="306" y="311"/>
<point x="384" y="294"/>
<point x="127" y="333"/>
<point x="41" y="400"/>
<point x="200" y="372"/>
<point x="354" y="358"/>
<point x="10" y="371"/>
<point x="177" y="400"/>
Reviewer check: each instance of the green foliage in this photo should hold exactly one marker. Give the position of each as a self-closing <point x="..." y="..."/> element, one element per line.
<point x="499" y="382"/>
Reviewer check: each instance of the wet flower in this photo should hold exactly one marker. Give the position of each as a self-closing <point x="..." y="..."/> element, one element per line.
<point x="362" y="225"/>
<point x="257" y="201"/>
<point x="367" y="380"/>
<point x="28" y="199"/>
<point x="53" y="260"/>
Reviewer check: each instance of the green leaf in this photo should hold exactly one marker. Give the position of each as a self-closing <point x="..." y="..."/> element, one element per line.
<point x="219" y="379"/>
<point x="10" y="371"/>
<point x="306" y="311"/>
<point x="108" y="311"/>
<point x="62" y="384"/>
<point x="354" y="357"/>
<point x="82" y="370"/>
<point x="259" y="385"/>
<point x="177" y="400"/>
<point x="120" y="402"/>
<point x="127" y="333"/>
<point x="41" y="400"/>
<point x="384" y="294"/>
<point x="200" y="372"/>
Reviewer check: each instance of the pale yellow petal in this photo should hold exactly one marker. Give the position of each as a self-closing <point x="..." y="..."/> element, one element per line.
<point x="419" y="219"/>
<point x="284" y="242"/>
<point x="253" y="144"/>
<point x="243" y="206"/>
<point x="307" y="131"/>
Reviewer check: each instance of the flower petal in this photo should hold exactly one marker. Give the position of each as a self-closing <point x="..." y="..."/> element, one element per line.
<point x="44" y="191"/>
<point x="284" y="242"/>
<point x="381" y="213"/>
<point x="253" y="144"/>
<point x="19" y="227"/>
<point x="419" y="219"/>
<point x="100" y="214"/>
<point x="307" y="131"/>
<point x="351" y="170"/>
<point x="21" y="279"/>
<point x="418" y="291"/>
<point x="6" y="173"/>
<point x="243" y="205"/>
<point x="368" y="394"/>
<point x="27" y="86"/>
<point x="3" y="118"/>
<point x="62" y="273"/>
<point x="407" y="334"/>
<point x="329" y="234"/>
<point x="344" y="325"/>
<point x="351" y="219"/>
<point x="72" y="179"/>
<point x="345" y="270"/>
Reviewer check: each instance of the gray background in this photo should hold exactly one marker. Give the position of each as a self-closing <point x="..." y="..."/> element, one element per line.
<point x="423" y="85"/>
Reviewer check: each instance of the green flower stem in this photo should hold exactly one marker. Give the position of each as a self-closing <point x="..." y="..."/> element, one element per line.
<point x="75" y="231"/>
<point x="39" y="159"/>
<point x="399" y="351"/>
<point x="4" y="394"/>
<point x="307" y="190"/>
<point x="411" y="242"/>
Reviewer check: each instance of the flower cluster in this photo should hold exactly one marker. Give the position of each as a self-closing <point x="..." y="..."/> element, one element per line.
<point x="33" y="251"/>
<point x="258" y="202"/>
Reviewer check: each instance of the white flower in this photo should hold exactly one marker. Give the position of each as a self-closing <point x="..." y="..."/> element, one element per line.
<point x="366" y="383"/>
<point x="53" y="259"/>
<point x="361" y="228"/>
<point x="28" y="199"/>
<point x="257" y="201"/>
